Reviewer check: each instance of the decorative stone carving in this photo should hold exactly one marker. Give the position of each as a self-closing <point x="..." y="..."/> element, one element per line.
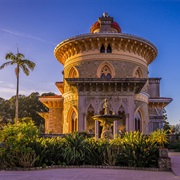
<point x="152" y="111"/>
<point x="164" y="163"/>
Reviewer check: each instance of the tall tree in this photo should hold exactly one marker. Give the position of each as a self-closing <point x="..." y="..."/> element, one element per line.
<point x="166" y="126"/>
<point x="20" y="63"/>
<point x="29" y="106"/>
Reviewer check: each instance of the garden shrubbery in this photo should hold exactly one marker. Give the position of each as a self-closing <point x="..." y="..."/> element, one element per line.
<point x="21" y="146"/>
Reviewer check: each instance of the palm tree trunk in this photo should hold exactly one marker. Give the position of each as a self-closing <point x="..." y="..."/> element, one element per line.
<point x="17" y="94"/>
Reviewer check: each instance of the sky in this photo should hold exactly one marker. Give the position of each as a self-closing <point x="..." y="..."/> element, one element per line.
<point x="37" y="26"/>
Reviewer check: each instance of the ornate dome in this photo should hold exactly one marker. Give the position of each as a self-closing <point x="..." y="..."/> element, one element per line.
<point x="116" y="26"/>
<point x="95" y="27"/>
<point x="105" y="24"/>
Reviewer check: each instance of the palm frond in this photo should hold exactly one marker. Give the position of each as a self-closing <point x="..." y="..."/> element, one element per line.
<point x="20" y="56"/>
<point x="25" y="69"/>
<point x="29" y="64"/>
<point x="25" y="64"/>
<point x="10" y="56"/>
<point x="6" y="64"/>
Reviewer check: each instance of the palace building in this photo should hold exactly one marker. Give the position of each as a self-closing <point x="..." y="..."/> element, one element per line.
<point x="105" y="64"/>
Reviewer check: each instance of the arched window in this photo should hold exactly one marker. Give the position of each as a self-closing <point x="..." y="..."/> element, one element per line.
<point x="73" y="122"/>
<point x="138" y="122"/>
<point x="109" y="49"/>
<point x="122" y="123"/>
<point x="90" y="123"/>
<point x="106" y="72"/>
<point x="138" y="73"/>
<point x="102" y="50"/>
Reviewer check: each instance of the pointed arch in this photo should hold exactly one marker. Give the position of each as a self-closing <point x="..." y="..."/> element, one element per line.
<point x="90" y="105"/>
<point x="102" y="49"/>
<point x="73" y="73"/>
<point x="90" y="108"/>
<point x="137" y="73"/>
<point x="72" y="119"/>
<point x="121" y="124"/>
<point x="90" y="123"/>
<point x="121" y="110"/>
<point x="109" y="49"/>
<point x="138" y="119"/>
<point x="121" y="105"/>
<point x="105" y="70"/>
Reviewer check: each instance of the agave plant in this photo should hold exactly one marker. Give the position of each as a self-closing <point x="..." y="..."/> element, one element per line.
<point x="160" y="137"/>
<point x="137" y="151"/>
<point x="74" y="151"/>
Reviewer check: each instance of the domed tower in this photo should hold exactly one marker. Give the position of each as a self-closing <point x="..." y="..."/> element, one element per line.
<point x="108" y="64"/>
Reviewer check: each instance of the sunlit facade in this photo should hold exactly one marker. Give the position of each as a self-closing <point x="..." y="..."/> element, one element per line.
<point x="105" y="64"/>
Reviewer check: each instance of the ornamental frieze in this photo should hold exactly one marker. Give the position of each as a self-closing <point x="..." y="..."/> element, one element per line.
<point x="102" y="57"/>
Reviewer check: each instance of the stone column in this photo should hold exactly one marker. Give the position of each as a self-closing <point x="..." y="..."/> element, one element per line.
<point x="115" y="128"/>
<point x="127" y="122"/>
<point x="96" y="129"/>
<point x="131" y="113"/>
<point x="145" y="119"/>
<point x="81" y="111"/>
<point x="84" y="122"/>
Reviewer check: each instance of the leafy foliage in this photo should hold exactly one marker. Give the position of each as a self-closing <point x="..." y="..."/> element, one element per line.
<point x="15" y="149"/>
<point x="95" y="151"/>
<point x="21" y="146"/>
<point x="21" y="63"/>
<point x="74" y="151"/>
<point x="136" y="150"/>
<point x="176" y="129"/>
<point x="175" y="146"/>
<point x="159" y="136"/>
<point x="166" y="126"/>
<point x="29" y="106"/>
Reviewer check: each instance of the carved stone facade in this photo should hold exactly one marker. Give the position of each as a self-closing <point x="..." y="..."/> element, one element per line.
<point x="105" y="64"/>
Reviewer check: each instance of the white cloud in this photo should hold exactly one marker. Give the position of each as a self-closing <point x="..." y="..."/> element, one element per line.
<point x="7" y="90"/>
<point x="5" y="85"/>
<point x="26" y="36"/>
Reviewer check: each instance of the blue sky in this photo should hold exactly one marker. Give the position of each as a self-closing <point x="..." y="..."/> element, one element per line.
<point x="37" y="26"/>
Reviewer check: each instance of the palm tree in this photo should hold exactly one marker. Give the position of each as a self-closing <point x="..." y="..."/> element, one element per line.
<point x="21" y="63"/>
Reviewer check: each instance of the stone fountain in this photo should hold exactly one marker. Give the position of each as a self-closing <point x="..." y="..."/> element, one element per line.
<point x="106" y="121"/>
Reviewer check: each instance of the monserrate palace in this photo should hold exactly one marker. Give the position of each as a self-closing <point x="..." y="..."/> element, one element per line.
<point x="105" y="64"/>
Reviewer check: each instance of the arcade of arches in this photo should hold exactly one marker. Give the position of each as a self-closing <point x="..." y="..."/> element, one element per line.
<point x="105" y="64"/>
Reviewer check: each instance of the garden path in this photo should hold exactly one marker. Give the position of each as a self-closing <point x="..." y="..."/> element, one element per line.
<point x="175" y="162"/>
<point x="95" y="173"/>
<point x="87" y="174"/>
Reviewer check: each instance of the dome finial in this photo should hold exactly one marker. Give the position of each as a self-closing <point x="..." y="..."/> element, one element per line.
<point x="105" y="24"/>
<point x="105" y="14"/>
